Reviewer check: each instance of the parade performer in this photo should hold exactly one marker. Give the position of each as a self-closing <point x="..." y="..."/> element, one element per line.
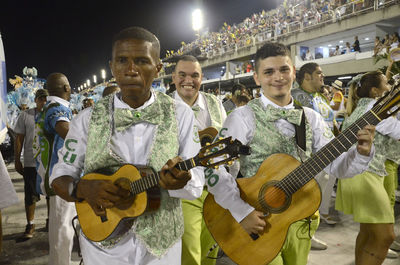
<point x="370" y="196"/>
<point x="208" y="111"/>
<point x="263" y="125"/>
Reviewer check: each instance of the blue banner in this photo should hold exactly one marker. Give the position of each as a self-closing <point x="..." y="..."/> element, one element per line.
<point x="3" y="93"/>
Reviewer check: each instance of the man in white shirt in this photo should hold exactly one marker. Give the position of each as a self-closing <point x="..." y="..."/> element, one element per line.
<point x="267" y="135"/>
<point x="137" y="126"/>
<point x="208" y="111"/>
<point x="24" y="128"/>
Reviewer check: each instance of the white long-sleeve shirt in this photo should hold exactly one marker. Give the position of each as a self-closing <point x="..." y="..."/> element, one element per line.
<point x="240" y="124"/>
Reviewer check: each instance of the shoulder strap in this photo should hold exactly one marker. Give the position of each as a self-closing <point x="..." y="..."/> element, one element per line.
<point x="301" y="129"/>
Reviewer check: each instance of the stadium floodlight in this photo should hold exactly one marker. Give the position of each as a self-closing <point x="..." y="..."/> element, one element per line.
<point x="197" y="20"/>
<point x="94" y="79"/>
<point x="88" y="82"/>
<point x="103" y="74"/>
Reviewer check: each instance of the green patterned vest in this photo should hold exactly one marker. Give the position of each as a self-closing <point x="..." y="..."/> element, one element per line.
<point x="267" y="140"/>
<point x="385" y="147"/>
<point x="214" y="108"/>
<point x="161" y="229"/>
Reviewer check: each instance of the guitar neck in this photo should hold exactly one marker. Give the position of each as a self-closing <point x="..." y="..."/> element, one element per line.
<point x="310" y="168"/>
<point x="152" y="180"/>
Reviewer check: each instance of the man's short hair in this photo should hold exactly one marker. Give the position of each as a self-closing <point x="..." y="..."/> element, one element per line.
<point x="138" y="33"/>
<point x="186" y="58"/>
<point x="308" y="68"/>
<point x="270" y="49"/>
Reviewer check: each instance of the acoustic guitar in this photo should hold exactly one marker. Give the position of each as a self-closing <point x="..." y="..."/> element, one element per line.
<point x="285" y="191"/>
<point x="207" y="135"/>
<point x="142" y="182"/>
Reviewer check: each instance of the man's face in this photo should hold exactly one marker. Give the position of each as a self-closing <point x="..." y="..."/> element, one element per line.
<point x="275" y="75"/>
<point x="40" y="101"/>
<point x="187" y="79"/>
<point x="317" y="79"/>
<point x="134" y="65"/>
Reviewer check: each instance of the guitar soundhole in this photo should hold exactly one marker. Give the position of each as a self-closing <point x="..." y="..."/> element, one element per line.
<point x="272" y="198"/>
<point x="206" y="139"/>
<point x="124" y="183"/>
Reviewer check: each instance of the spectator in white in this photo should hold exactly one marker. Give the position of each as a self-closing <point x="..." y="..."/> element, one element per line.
<point x="337" y="51"/>
<point x="348" y="48"/>
<point x="309" y="56"/>
<point x="24" y="130"/>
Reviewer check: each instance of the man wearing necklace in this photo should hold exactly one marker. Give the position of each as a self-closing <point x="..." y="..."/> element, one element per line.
<point x="262" y="125"/>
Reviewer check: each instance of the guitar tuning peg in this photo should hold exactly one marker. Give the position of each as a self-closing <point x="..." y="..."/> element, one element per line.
<point x="230" y="163"/>
<point x="220" y="138"/>
<point x="216" y="167"/>
<point x="207" y="144"/>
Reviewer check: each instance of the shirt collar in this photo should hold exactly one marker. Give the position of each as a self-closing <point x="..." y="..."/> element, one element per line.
<point x="200" y="102"/>
<point x="120" y="104"/>
<point x="265" y="101"/>
<point x="58" y="100"/>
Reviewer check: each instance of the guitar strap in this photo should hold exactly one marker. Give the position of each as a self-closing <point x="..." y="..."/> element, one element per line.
<point x="301" y="129"/>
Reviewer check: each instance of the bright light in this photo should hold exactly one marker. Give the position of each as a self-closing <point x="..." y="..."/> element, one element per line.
<point x="344" y="77"/>
<point x="88" y="82"/>
<point x="341" y="41"/>
<point x="94" y="79"/>
<point x="84" y="85"/>
<point x="197" y="20"/>
<point x="103" y="74"/>
<point x="329" y="45"/>
<point x="366" y="39"/>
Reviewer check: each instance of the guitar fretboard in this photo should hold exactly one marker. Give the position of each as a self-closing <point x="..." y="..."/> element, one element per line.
<point x="151" y="180"/>
<point x="310" y="168"/>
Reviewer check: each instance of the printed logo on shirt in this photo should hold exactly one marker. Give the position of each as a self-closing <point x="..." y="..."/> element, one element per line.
<point x="222" y="132"/>
<point x="67" y="157"/>
<point x="211" y="178"/>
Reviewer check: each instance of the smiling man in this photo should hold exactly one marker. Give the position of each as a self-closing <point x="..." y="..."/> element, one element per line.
<point x="267" y="124"/>
<point x="208" y="110"/>
<point x="141" y="127"/>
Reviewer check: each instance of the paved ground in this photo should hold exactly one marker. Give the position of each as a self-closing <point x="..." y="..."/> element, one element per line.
<point x="340" y="237"/>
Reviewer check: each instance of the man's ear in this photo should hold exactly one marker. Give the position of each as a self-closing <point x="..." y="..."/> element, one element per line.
<point x="307" y="76"/>
<point x="67" y="88"/>
<point x="255" y="76"/>
<point x="159" y="67"/>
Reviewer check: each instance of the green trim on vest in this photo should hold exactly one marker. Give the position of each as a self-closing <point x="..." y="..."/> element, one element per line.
<point x="385" y="147"/>
<point x="158" y="230"/>
<point x="267" y="140"/>
<point x="214" y="109"/>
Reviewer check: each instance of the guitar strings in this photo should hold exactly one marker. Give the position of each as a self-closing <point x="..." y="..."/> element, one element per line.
<point x="300" y="175"/>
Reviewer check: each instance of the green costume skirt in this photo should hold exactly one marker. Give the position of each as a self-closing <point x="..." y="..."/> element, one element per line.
<point x="369" y="197"/>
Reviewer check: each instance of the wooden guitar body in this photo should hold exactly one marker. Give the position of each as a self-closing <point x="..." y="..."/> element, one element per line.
<point x="259" y="191"/>
<point x="118" y="219"/>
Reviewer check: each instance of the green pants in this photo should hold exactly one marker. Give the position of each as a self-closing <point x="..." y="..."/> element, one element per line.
<point x="298" y="243"/>
<point x="196" y="240"/>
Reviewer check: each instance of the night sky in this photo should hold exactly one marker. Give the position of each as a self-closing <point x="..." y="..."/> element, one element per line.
<point x="74" y="37"/>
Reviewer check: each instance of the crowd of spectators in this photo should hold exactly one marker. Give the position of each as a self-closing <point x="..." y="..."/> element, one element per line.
<point x="291" y="15"/>
<point x="387" y="43"/>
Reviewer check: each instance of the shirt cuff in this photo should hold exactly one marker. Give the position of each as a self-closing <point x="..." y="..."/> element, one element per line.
<point x="240" y="210"/>
<point x="362" y="159"/>
<point x="193" y="189"/>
